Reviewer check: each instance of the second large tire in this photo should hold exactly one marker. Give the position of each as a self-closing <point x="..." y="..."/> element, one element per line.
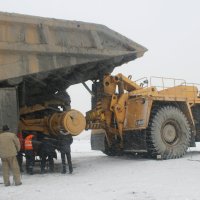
<point x="168" y="134"/>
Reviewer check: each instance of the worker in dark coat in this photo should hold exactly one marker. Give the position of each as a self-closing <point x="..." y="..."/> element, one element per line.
<point x="9" y="146"/>
<point x="47" y="153"/>
<point x="64" y="142"/>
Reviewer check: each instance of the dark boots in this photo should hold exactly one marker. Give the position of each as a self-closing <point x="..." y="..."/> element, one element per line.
<point x="30" y="170"/>
<point x="64" y="169"/>
<point x="43" y="164"/>
<point x="42" y="171"/>
<point x="51" y="164"/>
<point x="64" y="163"/>
<point x="70" y="169"/>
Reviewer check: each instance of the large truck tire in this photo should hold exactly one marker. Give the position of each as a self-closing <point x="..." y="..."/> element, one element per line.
<point x="168" y="134"/>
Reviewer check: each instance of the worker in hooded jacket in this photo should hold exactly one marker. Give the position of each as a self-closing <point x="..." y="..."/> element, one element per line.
<point x="47" y="152"/>
<point x="64" y="143"/>
<point x="9" y="146"/>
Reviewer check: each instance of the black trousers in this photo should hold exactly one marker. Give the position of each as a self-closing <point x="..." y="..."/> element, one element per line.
<point x="20" y="160"/>
<point x="30" y="160"/>
<point x="69" y="160"/>
<point x="44" y="159"/>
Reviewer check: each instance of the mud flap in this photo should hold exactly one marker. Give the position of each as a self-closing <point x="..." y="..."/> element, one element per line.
<point x="98" y="140"/>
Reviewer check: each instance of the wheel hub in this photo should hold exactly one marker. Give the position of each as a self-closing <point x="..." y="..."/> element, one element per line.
<point x="169" y="133"/>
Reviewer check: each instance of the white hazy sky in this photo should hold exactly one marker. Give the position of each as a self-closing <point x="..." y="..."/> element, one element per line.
<point x="169" y="29"/>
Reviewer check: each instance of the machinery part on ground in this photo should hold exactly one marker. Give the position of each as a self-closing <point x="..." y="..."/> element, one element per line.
<point x="72" y="122"/>
<point x="168" y="133"/>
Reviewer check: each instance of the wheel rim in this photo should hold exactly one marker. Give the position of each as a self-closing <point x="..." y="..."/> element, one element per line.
<point x="170" y="133"/>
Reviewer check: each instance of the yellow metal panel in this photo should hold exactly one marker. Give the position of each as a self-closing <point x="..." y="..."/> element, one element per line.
<point x="189" y="92"/>
<point x="138" y="112"/>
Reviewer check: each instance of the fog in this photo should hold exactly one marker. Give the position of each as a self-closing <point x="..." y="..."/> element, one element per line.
<point x="170" y="30"/>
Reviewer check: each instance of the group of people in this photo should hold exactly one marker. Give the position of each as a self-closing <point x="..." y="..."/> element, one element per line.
<point x="13" y="148"/>
<point x="45" y="148"/>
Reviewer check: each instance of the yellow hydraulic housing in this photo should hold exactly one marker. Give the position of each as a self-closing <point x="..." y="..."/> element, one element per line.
<point x="71" y="121"/>
<point x="112" y="105"/>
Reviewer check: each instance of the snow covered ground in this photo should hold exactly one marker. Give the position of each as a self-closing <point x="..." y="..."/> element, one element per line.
<point x="99" y="177"/>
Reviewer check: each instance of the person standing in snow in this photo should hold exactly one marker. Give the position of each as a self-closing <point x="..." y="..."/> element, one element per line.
<point x="64" y="142"/>
<point x="29" y="153"/>
<point x="20" y="153"/>
<point x="47" y="153"/>
<point x="9" y="147"/>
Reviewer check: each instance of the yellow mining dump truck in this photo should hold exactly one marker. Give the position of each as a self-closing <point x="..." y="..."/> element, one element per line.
<point x="41" y="57"/>
<point x="128" y="116"/>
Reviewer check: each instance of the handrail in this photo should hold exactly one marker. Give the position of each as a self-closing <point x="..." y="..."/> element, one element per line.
<point x="163" y="83"/>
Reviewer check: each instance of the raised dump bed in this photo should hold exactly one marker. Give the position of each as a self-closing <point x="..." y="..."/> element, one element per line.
<point x="43" y="56"/>
<point x="59" y="52"/>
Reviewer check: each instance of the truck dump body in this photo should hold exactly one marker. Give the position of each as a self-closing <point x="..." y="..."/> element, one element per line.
<point x="41" y="57"/>
<point x="58" y="53"/>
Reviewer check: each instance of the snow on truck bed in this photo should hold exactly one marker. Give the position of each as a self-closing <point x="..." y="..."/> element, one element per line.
<point x="99" y="177"/>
